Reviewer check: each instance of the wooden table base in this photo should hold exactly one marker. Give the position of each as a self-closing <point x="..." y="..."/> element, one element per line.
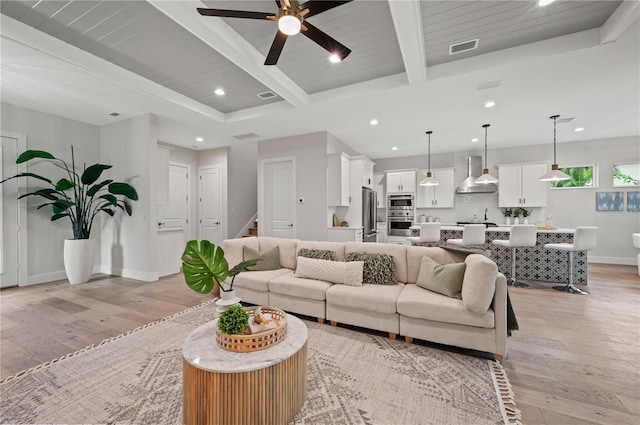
<point x="269" y="396"/>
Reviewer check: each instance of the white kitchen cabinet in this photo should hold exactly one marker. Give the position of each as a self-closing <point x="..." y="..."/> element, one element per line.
<point x="162" y="180"/>
<point x="378" y="180"/>
<point x="440" y="196"/>
<point x="519" y="185"/>
<point x="339" y="180"/>
<point x="401" y="182"/>
<point x="344" y="234"/>
<point x="367" y="173"/>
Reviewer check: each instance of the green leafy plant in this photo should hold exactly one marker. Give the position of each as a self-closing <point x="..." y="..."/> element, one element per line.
<point x="507" y="212"/>
<point x="578" y="177"/>
<point x="516" y="212"/>
<point x="524" y="212"/>
<point x="78" y="197"/>
<point x="233" y="320"/>
<point x="204" y="267"/>
<point x="624" y="178"/>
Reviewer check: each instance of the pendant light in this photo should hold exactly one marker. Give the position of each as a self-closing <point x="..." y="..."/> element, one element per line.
<point x="429" y="181"/>
<point x="486" y="178"/>
<point x="554" y="175"/>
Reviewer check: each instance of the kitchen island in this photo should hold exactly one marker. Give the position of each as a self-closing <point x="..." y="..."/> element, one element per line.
<point x="533" y="263"/>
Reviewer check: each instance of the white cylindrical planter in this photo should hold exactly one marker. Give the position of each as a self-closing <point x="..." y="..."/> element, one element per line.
<point x="78" y="259"/>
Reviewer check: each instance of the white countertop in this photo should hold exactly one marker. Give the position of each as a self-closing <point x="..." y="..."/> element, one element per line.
<point x="347" y="227"/>
<point x="496" y="229"/>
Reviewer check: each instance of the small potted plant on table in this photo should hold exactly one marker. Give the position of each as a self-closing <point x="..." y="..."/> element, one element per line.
<point x="525" y="213"/>
<point x="507" y="213"/>
<point x="516" y="215"/>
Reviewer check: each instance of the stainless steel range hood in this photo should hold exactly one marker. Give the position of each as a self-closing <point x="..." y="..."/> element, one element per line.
<point x="475" y="170"/>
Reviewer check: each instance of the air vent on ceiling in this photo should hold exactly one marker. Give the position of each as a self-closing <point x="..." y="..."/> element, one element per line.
<point x="114" y="114"/>
<point x="489" y="85"/>
<point x="246" y="136"/>
<point x="464" y="46"/>
<point x="267" y="95"/>
<point x="565" y="120"/>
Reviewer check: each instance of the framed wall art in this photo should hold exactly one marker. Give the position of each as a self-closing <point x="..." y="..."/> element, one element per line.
<point x="633" y="201"/>
<point x="609" y="201"/>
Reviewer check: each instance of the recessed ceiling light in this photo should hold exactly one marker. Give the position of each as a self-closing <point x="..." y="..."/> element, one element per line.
<point x="543" y="3"/>
<point x="490" y="104"/>
<point x="395" y="148"/>
<point x="579" y="129"/>
<point x="373" y="122"/>
<point x="475" y="139"/>
<point x="334" y="59"/>
<point x="219" y="92"/>
<point x="199" y="139"/>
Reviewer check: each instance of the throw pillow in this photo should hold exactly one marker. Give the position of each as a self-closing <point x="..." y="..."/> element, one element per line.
<point x="330" y="271"/>
<point x="479" y="284"/>
<point x="269" y="260"/>
<point x="379" y="269"/>
<point x="445" y="279"/>
<point x="320" y="254"/>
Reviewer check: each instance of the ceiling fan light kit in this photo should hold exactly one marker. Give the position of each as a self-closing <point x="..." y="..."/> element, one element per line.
<point x="291" y="18"/>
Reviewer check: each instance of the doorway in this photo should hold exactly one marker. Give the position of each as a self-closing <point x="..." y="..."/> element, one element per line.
<point x="173" y="221"/>
<point x="211" y="225"/>
<point x="276" y="204"/>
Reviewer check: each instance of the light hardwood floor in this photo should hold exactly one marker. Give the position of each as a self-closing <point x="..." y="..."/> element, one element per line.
<point x="575" y="359"/>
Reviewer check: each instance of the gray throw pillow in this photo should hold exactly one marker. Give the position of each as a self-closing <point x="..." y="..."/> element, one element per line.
<point x="269" y="260"/>
<point x="318" y="254"/>
<point x="445" y="279"/>
<point x="379" y="269"/>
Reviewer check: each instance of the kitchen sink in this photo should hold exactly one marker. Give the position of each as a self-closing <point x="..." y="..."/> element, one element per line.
<point x="486" y="223"/>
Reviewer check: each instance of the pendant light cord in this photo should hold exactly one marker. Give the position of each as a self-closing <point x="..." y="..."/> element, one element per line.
<point x="554" y="118"/>
<point x="429" y="151"/>
<point x="485" y="145"/>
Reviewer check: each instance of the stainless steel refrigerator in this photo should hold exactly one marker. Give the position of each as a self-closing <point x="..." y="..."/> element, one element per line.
<point x="369" y="215"/>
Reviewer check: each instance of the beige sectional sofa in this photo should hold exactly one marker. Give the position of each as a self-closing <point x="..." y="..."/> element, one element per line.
<point x="402" y="309"/>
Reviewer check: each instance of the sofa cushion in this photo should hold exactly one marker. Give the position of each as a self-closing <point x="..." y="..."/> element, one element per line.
<point x="479" y="283"/>
<point x="289" y="284"/>
<point x="268" y="260"/>
<point x="398" y="252"/>
<point x="234" y="249"/>
<point x="320" y="254"/>
<point x="375" y="298"/>
<point x="415" y="254"/>
<point x="349" y="273"/>
<point x="258" y="280"/>
<point x="445" y="279"/>
<point x="288" y="249"/>
<point x="379" y="269"/>
<point x="422" y="304"/>
<point x="336" y="247"/>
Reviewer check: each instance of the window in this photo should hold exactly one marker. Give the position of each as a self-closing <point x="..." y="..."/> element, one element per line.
<point x="626" y="175"/>
<point x="584" y="176"/>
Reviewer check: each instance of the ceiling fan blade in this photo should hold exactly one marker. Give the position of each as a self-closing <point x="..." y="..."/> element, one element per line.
<point x="276" y="48"/>
<point x="234" y="13"/>
<point x="327" y="42"/>
<point x="319" y="6"/>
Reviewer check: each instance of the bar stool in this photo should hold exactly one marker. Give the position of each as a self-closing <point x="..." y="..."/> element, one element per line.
<point x="472" y="235"/>
<point x="429" y="232"/>
<point x="584" y="239"/>
<point x="520" y="236"/>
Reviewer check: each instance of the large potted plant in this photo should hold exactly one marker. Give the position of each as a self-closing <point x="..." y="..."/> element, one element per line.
<point x="78" y="197"/>
<point x="205" y="269"/>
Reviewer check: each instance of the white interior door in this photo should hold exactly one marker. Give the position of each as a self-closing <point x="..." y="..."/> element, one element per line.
<point x="279" y="199"/>
<point x="210" y="226"/>
<point x="173" y="221"/>
<point x="9" y="244"/>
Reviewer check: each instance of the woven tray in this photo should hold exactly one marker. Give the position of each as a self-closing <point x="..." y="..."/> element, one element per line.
<point x="259" y="341"/>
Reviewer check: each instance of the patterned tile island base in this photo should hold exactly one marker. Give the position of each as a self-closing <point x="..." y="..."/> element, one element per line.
<point x="533" y="263"/>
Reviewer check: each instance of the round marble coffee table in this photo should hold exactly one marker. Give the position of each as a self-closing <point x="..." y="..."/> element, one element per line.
<point x="262" y="387"/>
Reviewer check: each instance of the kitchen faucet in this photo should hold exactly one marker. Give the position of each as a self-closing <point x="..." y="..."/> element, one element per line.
<point x="485" y="214"/>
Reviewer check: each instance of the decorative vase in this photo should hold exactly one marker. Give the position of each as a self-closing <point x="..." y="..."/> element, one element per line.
<point x="525" y="221"/>
<point x="228" y="295"/>
<point x="516" y="221"/>
<point x="78" y="259"/>
<point x="507" y="221"/>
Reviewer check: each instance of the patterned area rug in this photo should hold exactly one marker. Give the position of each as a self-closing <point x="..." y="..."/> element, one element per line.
<point x="353" y="378"/>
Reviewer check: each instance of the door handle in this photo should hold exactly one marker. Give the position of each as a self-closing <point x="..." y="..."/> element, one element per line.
<point x="290" y="225"/>
<point x="216" y="222"/>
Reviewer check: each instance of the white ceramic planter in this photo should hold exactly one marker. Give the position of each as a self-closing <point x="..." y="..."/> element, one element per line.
<point x="78" y="259"/>
<point x="228" y="295"/>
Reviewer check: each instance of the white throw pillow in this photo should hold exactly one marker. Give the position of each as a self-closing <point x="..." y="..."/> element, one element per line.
<point x="479" y="283"/>
<point x="330" y="271"/>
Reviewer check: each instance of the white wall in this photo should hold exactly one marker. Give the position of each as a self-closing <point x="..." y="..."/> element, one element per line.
<point x="310" y="152"/>
<point x="129" y="243"/>
<point x="243" y="186"/>
<point x="45" y="239"/>
<point x="569" y="207"/>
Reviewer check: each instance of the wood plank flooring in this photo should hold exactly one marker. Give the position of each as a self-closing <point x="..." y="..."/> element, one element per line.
<point x="575" y="359"/>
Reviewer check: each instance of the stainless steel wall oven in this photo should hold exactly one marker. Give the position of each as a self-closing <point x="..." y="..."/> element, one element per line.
<point x="400" y="214"/>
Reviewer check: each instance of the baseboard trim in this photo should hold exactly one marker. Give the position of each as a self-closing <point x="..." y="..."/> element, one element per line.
<point x="614" y="260"/>
<point x="45" y="277"/>
<point x="130" y="274"/>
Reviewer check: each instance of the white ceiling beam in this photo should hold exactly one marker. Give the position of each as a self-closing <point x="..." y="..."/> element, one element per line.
<point x="225" y="40"/>
<point x="619" y="21"/>
<point x="48" y="45"/>
<point x="407" y="20"/>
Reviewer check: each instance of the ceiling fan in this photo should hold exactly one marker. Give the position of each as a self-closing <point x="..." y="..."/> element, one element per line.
<point x="291" y="18"/>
